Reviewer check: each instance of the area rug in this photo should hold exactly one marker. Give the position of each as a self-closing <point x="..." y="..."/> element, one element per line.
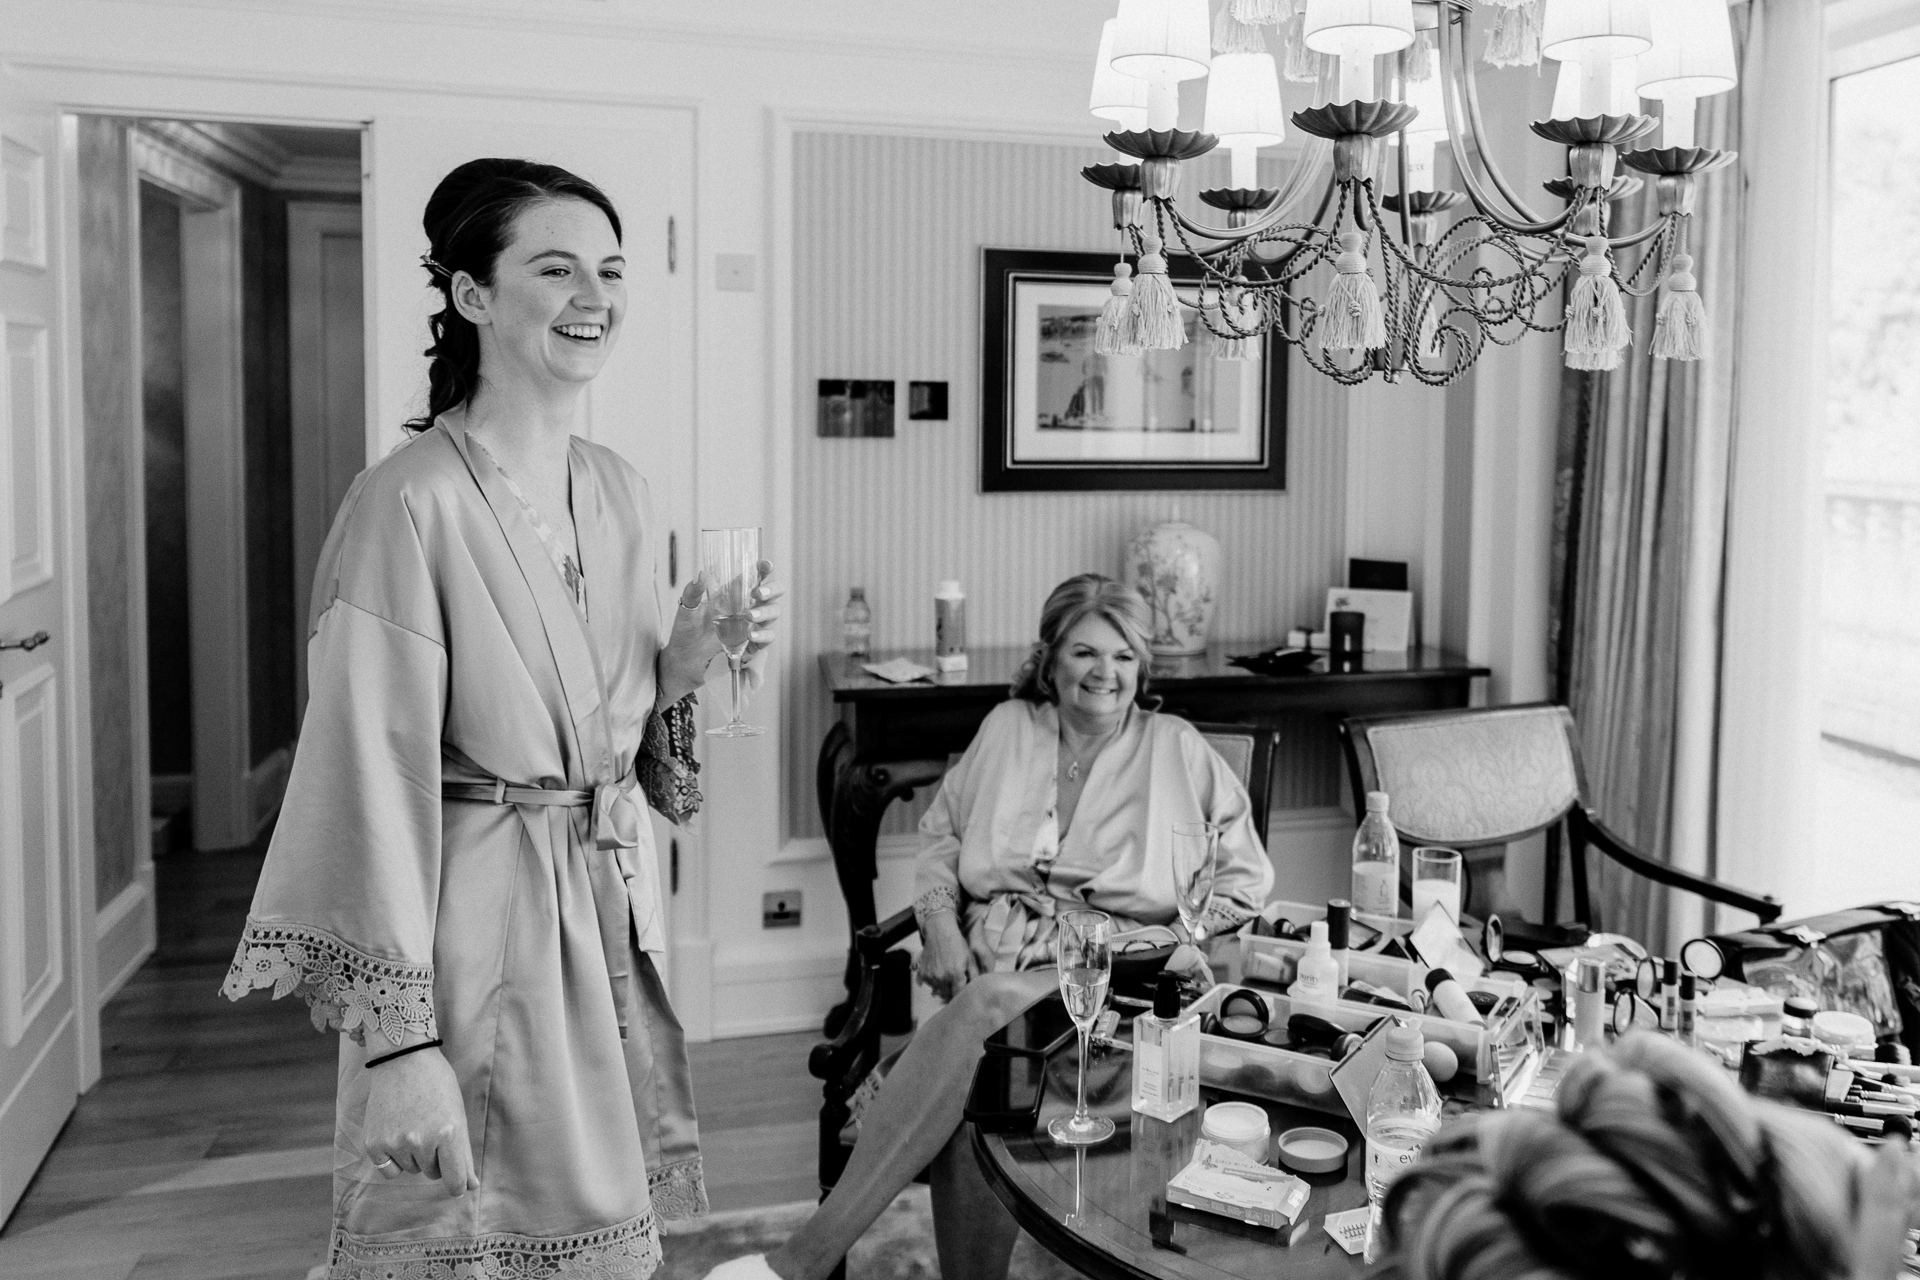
<point x="898" y="1246"/>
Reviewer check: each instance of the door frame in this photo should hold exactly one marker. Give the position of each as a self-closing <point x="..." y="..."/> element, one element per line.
<point x="308" y="223"/>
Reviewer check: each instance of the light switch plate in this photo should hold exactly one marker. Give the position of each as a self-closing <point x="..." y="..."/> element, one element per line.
<point x="780" y="909"/>
<point x="734" y="272"/>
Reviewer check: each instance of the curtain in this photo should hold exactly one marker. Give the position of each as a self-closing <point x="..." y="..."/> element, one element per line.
<point x="1639" y="537"/>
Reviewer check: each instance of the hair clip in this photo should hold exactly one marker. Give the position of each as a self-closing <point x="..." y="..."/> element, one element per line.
<point x="426" y="260"/>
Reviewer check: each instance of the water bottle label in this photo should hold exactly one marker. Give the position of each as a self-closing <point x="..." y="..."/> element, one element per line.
<point x="1386" y="1163"/>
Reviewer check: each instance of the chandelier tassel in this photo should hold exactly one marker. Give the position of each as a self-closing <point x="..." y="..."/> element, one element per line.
<point x="1302" y="63"/>
<point x="1231" y="35"/>
<point x="1260" y="13"/>
<point x="1152" y="322"/>
<point x="1515" y="41"/>
<point x="1108" y="331"/>
<point x="1423" y="59"/>
<point x="1355" y="320"/>
<point x="1680" y="330"/>
<point x="1597" y="329"/>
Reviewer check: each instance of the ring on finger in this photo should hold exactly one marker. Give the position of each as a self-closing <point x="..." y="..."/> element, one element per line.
<point x="385" y="1163"/>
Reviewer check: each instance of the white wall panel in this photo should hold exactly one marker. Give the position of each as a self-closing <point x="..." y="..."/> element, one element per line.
<point x="887" y="232"/>
<point x="32" y="948"/>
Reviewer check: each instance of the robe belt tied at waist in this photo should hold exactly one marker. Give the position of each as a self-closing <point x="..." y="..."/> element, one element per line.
<point x="613" y="827"/>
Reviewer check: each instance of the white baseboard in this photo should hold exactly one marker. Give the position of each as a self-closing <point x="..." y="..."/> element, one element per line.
<point x="124" y="934"/>
<point x="778" y="994"/>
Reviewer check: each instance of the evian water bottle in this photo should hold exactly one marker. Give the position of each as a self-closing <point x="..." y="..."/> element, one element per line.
<point x="1376" y="861"/>
<point x="1403" y="1111"/>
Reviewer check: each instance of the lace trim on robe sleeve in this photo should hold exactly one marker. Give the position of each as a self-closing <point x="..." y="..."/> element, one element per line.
<point x="678" y="1191"/>
<point x="933" y="902"/>
<point x="345" y="989"/>
<point x="668" y="772"/>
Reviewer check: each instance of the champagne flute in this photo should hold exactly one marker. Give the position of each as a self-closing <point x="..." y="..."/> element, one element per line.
<point x="1195" y="847"/>
<point x="1085" y="956"/>
<point x="730" y="559"/>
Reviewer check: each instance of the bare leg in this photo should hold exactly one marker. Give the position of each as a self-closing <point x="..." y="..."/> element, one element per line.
<point x="972" y="1229"/>
<point x="911" y="1119"/>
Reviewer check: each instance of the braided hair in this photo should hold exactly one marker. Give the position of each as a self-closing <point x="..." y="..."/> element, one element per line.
<point x="1655" y="1166"/>
<point x="469" y="222"/>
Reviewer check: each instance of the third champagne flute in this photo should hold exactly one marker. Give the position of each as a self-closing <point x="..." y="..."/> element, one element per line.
<point x="1195" y="845"/>
<point x="730" y="559"/>
<point x="1085" y="956"/>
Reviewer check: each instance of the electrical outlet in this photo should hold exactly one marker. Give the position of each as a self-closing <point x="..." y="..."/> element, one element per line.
<point x="780" y="910"/>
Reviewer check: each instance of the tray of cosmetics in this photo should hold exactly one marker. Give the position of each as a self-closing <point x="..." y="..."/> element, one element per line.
<point x="1490" y="1025"/>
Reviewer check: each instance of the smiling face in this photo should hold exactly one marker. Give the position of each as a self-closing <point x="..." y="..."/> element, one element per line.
<point x="1095" y="674"/>
<point x="557" y="297"/>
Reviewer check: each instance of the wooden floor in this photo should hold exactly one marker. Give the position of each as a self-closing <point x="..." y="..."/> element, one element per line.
<point x="205" y="1152"/>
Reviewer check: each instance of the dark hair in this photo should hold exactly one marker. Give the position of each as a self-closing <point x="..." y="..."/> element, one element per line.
<point x="469" y="222"/>
<point x="1082" y="596"/>
<point x="1654" y="1164"/>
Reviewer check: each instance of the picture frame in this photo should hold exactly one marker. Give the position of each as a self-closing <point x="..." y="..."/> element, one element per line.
<point x="1056" y="416"/>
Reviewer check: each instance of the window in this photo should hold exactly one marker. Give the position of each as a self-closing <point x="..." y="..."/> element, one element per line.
<point x="1869" y="753"/>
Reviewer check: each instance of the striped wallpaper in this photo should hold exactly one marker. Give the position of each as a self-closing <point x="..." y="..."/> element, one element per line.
<point x="887" y="233"/>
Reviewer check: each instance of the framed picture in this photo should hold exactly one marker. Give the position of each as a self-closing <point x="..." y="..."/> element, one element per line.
<point x="1057" y="415"/>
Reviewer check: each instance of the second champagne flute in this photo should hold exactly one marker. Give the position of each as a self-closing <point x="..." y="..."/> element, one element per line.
<point x="730" y="559"/>
<point x="1085" y="956"/>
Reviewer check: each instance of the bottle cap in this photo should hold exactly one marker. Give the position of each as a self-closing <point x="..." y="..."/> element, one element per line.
<point x="1166" y="996"/>
<point x="1317" y="938"/>
<point x="950" y="589"/>
<point x="1686" y="986"/>
<point x="1405" y="1043"/>
<point x="1591" y="974"/>
<point x="1437" y="976"/>
<point x="1669" y="971"/>
<point x="1802" y="1008"/>
<point x="1376" y="802"/>
<point x="859" y="593"/>
<point x="1339" y="915"/>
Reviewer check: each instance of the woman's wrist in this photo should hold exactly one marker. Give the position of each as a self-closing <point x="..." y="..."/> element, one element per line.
<point x="673" y="681"/>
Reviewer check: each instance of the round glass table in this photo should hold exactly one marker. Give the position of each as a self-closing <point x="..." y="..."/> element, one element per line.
<point x="1103" y="1210"/>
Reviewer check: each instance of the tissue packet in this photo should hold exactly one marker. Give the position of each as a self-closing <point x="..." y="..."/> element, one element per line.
<point x="1221" y="1180"/>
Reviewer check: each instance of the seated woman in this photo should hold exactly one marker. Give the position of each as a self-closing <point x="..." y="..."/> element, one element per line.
<point x="1656" y="1167"/>
<point x="1066" y="798"/>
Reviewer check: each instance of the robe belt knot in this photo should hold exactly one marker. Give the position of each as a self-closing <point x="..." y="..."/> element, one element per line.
<point x="613" y="827"/>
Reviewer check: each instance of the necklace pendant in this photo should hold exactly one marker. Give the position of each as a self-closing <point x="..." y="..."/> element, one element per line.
<point x="1073" y="770"/>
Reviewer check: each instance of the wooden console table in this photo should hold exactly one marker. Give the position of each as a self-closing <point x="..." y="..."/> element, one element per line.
<point x="894" y="738"/>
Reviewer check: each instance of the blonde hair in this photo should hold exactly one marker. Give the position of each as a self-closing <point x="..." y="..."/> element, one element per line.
<point x="1656" y="1165"/>
<point x="1078" y="598"/>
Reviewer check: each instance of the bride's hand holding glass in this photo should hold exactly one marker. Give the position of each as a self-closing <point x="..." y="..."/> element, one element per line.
<point x="695" y="640"/>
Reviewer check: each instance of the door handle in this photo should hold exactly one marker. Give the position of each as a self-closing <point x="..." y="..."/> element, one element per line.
<point x="28" y="645"/>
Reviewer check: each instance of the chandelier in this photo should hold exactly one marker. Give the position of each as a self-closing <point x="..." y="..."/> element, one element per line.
<point x="1421" y="277"/>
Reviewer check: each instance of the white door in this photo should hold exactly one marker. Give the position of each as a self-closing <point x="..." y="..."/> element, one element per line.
<point x="641" y="405"/>
<point x="40" y="965"/>
<point x="327" y="338"/>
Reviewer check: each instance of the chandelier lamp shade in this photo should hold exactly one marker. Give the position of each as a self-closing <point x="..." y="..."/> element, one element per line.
<point x="1116" y="96"/>
<point x="1358" y="255"/>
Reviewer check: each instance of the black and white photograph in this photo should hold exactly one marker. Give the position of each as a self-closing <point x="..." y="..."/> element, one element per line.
<point x="857" y="640"/>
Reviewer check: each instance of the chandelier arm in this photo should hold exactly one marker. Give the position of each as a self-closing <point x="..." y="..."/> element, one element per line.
<point x="1470" y="85"/>
<point x="1313" y="158"/>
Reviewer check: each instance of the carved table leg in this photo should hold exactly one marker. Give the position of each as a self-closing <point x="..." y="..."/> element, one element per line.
<point x="853" y="799"/>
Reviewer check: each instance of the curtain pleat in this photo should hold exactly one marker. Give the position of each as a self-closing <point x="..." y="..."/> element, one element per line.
<point x="1639" y="530"/>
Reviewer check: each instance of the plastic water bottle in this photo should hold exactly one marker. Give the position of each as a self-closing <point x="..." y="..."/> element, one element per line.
<point x="1376" y="861"/>
<point x="856" y="622"/>
<point x="1403" y="1111"/>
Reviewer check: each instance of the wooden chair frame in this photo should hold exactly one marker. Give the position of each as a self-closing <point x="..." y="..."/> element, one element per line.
<point x="842" y="1063"/>
<point x="1583" y="826"/>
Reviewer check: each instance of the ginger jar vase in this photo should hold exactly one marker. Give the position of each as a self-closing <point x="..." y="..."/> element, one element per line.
<point x="1177" y="568"/>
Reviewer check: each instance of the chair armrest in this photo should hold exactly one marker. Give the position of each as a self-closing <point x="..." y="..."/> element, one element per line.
<point x="1762" y="905"/>
<point x="833" y="1059"/>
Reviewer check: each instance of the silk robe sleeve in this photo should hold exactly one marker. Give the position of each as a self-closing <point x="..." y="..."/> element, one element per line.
<point x="344" y="912"/>
<point x="1242" y="875"/>
<point x="943" y="828"/>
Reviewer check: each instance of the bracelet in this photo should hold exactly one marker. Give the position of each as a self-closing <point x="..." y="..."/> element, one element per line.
<point x="401" y="1053"/>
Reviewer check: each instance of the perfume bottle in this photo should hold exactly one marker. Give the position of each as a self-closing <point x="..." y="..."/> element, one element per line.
<point x="1166" y="1056"/>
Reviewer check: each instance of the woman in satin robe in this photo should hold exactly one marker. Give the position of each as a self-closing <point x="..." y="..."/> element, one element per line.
<point x="1066" y="798"/>
<point x="462" y="878"/>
